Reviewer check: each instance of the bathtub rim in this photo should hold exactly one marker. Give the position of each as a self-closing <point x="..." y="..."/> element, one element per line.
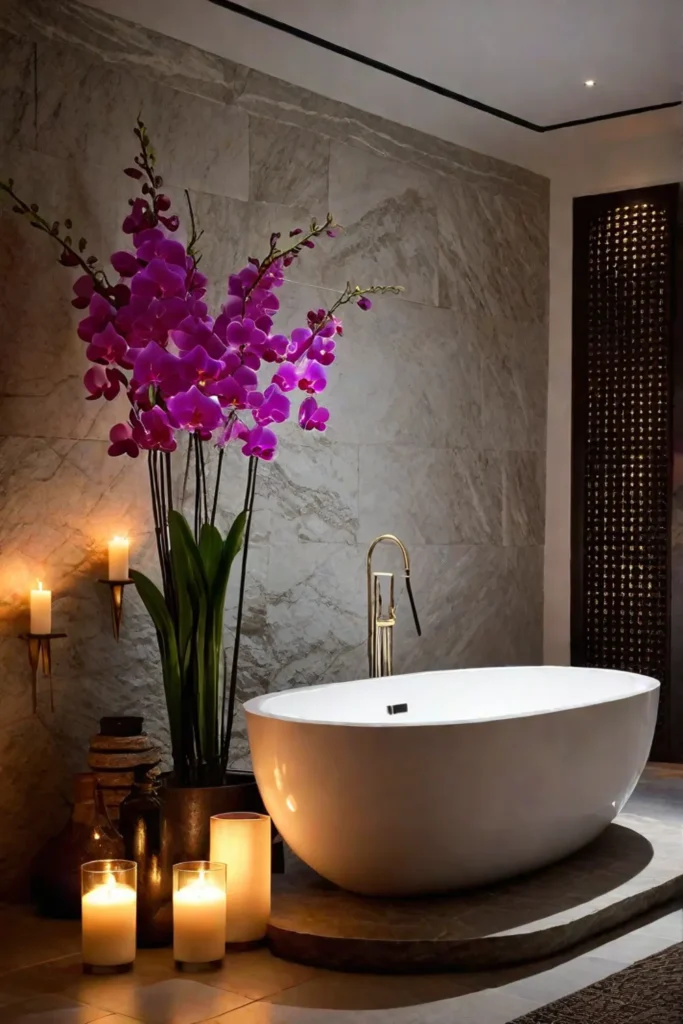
<point x="255" y="705"/>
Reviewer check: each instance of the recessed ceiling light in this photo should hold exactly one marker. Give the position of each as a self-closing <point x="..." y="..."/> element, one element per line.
<point x="589" y="82"/>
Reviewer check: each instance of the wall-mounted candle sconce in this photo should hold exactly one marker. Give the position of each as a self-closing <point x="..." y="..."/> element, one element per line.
<point x="38" y="639"/>
<point x="116" y="593"/>
<point x="117" y="579"/>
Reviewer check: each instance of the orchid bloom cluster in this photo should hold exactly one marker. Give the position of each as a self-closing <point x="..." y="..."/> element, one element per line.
<point x="231" y="378"/>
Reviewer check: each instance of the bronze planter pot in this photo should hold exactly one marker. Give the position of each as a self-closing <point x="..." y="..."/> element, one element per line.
<point x="187" y="811"/>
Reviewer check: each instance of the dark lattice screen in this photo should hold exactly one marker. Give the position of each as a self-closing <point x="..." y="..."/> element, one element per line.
<point x="622" y="453"/>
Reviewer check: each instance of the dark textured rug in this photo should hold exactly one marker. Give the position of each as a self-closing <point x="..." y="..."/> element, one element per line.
<point x="648" y="992"/>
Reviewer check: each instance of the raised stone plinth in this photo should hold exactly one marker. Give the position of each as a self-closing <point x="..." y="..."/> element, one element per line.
<point x="634" y="866"/>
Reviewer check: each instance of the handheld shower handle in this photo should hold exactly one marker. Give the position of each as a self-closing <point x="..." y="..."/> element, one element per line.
<point x="409" y="588"/>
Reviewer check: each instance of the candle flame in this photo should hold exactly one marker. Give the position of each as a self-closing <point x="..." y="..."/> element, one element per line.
<point x="119" y="540"/>
<point x="40" y="585"/>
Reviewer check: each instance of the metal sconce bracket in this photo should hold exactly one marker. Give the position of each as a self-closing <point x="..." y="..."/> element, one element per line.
<point x="39" y="649"/>
<point x="116" y="593"/>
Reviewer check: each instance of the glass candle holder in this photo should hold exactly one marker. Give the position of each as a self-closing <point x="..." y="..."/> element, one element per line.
<point x="242" y="840"/>
<point x="198" y="914"/>
<point x="108" y="905"/>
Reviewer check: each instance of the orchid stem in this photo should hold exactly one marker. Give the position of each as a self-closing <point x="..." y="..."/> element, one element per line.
<point x="249" y="508"/>
<point x="219" y="470"/>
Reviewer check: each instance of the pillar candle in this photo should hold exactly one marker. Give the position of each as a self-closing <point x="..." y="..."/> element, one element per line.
<point x="41" y="610"/>
<point x="118" y="558"/>
<point x="198" y="912"/>
<point x="243" y="842"/>
<point x="108" y="915"/>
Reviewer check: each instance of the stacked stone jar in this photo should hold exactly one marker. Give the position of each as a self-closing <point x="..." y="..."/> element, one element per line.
<point x="115" y="752"/>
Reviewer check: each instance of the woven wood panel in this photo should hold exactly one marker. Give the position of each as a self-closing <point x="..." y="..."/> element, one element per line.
<point x="623" y="407"/>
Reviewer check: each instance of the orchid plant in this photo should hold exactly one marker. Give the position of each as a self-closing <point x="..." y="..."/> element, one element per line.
<point x="232" y="379"/>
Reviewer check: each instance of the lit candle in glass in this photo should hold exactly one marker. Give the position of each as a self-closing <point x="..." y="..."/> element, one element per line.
<point x="198" y="913"/>
<point x="108" y="905"/>
<point x="41" y="610"/>
<point x="243" y="842"/>
<point x="118" y="558"/>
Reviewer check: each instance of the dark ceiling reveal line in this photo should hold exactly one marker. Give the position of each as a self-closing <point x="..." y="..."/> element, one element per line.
<point x="422" y="83"/>
<point x="370" y="62"/>
<point x="609" y="117"/>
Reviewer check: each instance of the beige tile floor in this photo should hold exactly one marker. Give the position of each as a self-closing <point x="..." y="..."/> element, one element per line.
<point x="41" y="981"/>
<point x="256" y="988"/>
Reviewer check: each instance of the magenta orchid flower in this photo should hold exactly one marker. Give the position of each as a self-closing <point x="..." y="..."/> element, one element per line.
<point x="322" y="350"/>
<point x="312" y="377"/>
<point x="104" y="383"/>
<point x="100" y="312"/>
<point x="286" y="377"/>
<point x="158" y="369"/>
<point x="199" y="368"/>
<point x="107" y="346"/>
<point x="83" y="290"/>
<point x="125" y="263"/>
<point x="122" y="443"/>
<point x="274" y="408"/>
<point x="195" y="411"/>
<point x="156" y="431"/>
<point x="312" y="416"/>
<point x="227" y="377"/>
<point x="261" y="443"/>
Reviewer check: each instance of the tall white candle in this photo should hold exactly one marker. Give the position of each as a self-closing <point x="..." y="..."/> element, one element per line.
<point x="199" y="914"/>
<point x="118" y="558"/>
<point x="243" y="842"/>
<point x="41" y="610"/>
<point x="108" y="924"/>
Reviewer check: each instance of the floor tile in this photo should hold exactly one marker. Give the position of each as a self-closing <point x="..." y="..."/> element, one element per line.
<point x="34" y="939"/>
<point x="332" y="990"/>
<point x="173" y="1001"/>
<point x="50" y="1009"/>
<point x="257" y="974"/>
<point x="488" y="1007"/>
<point x="119" y="1018"/>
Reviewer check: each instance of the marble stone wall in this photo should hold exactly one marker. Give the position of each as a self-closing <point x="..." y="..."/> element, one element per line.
<point x="438" y="397"/>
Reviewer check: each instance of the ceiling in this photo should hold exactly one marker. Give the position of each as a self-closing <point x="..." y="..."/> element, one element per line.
<point x="527" y="57"/>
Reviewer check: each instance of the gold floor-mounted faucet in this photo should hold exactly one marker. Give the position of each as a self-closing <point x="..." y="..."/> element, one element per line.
<point x="380" y="623"/>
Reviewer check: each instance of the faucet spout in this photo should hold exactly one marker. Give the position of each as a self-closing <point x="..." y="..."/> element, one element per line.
<point x="381" y="624"/>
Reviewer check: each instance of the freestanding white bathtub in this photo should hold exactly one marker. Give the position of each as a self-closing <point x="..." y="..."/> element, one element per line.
<point x="489" y="773"/>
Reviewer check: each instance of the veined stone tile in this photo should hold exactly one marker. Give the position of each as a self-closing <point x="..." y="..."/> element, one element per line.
<point x="493" y="252"/>
<point x="32" y="764"/>
<point x="16" y="92"/>
<point x="523" y="498"/>
<point x="287" y="165"/>
<point x="460" y="593"/>
<point x="388" y="211"/>
<point x="42" y="360"/>
<point x="121" y="43"/>
<point x="312" y="490"/>
<point x="60" y="507"/>
<point x="514" y="386"/>
<point x="520" y="641"/>
<point x="404" y="373"/>
<point x="86" y="110"/>
<point x="316" y="611"/>
<point x="409" y="374"/>
<point x="292" y="105"/>
<point x="430" y="495"/>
